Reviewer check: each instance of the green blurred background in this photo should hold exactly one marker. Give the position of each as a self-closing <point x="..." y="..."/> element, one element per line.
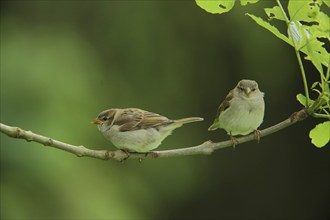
<point x="62" y="62"/>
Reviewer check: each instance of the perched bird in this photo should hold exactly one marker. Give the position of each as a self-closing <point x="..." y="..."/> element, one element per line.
<point x="136" y="130"/>
<point x="242" y="111"/>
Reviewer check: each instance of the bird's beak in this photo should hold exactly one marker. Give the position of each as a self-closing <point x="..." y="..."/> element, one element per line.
<point x="97" y="122"/>
<point x="247" y="91"/>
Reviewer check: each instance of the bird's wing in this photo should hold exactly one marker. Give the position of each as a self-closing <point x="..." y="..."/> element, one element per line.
<point x="134" y="119"/>
<point x="151" y="119"/>
<point x="223" y="106"/>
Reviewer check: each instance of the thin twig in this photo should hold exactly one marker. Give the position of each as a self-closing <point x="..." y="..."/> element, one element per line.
<point x="297" y="49"/>
<point x="205" y="148"/>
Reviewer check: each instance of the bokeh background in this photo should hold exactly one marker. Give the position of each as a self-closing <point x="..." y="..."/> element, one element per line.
<point x="62" y="62"/>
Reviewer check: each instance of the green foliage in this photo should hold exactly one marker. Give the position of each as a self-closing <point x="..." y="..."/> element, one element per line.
<point x="302" y="99"/>
<point x="270" y="27"/>
<point x="308" y="24"/>
<point x="216" y="7"/>
<point x="320" y="135"/>
<point x="307" y="30"/>
<point x="220" y="6"/>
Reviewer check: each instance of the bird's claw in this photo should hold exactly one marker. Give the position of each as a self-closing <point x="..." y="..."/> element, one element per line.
<point x="147" y="154"/>
<point x="234" y="141"/>
<point x="257" y="135"/>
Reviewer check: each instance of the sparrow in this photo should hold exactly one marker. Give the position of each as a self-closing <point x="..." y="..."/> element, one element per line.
<point x="242" y="111"/>
<point x="137" y="130"/>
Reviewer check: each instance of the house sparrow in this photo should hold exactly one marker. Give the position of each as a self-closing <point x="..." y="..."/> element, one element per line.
<point x="136" y="130"/>
<point x="242" y="111"/>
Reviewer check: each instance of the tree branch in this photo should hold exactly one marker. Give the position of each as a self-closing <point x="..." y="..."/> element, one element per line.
<point x="205" y="148"/>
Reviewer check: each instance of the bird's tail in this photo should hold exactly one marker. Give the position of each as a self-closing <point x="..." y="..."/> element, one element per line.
<point x="214" y="126"/>
<point x="188" y="120"/>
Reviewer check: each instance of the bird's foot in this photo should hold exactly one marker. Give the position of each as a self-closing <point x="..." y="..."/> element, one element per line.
<point x="257" y="135"/>
<point x="148" y="154"/>
<point x="234" y="141"/>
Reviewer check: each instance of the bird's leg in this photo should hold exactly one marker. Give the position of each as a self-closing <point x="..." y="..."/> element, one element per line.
<point x="234" y="141"/>
<point x="147" y="154"/>
<point x="257" y="135"/>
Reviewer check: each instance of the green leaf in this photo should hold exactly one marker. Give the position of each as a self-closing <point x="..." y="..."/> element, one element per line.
<point x="316" y="25"/>
<point x="245" y="2"/>
<point x="302" y="99"/>
<point x="299" y="33"/>
<point x="325" y="99"/>
<point x="320" y="135"/>
<point x="315" y="84"/>
<point x="269" y="27"/>
<point x="216" y="6"/>
<point x="323" y="27"/>
<point x="306" y="10"/>
<point x="327" y="2"/>
<point x="317" y="54"/>
<point x="220" y="6"/>
<point x="275" y="12"/>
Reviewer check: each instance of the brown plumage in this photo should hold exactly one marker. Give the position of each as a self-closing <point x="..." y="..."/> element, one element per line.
<point x="136" y="129"/>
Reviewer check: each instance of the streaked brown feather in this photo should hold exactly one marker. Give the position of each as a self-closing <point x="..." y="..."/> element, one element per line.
<point x="151" y="119"/>
<point x="225" y="104"/>
<point x="134" y="119"/>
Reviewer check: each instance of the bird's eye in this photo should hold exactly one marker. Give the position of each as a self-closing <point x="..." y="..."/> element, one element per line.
<point x="241" y="88"/>
<point x="253" y="89"/>
<point x="104" y="118"/>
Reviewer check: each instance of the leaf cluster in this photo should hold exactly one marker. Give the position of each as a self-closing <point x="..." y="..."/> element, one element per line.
<point x="308" y="31"/>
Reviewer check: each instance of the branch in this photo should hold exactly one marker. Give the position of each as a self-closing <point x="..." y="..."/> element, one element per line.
<point x="205" y="148"/>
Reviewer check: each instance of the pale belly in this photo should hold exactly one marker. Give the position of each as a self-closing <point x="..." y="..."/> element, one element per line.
<point x="137" y="141"/>
<point x="244" y="120"/>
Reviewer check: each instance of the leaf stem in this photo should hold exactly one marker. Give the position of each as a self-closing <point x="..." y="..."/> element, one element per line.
<point x="297" y="54"/>
<point x="316" y="115"/>
<point x="325" y="79"/>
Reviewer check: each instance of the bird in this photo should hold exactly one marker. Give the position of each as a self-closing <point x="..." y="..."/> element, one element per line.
<point x="137" y="130"/>
<point x="242" y="111"/>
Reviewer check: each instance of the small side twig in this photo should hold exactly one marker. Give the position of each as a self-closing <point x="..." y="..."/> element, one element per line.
<point x="205" y="148"/>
